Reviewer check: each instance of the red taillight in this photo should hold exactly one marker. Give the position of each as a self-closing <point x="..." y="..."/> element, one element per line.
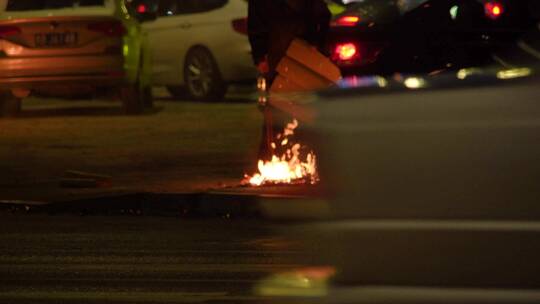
<point x="346" y="52"/>
<point x="109" y="28"/>
<point x="346" y="21"/>
<point x="493" y="10"/>
<point x="240" y="25"/>
<point x="142" y="8"/>
<point x="8" y="30"/>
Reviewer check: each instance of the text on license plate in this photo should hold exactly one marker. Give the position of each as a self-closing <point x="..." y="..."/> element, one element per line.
<point x="56" y="39"/>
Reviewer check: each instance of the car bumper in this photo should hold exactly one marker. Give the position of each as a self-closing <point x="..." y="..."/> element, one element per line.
<point x="235" y="61"/>
<point x="38" y="72"/>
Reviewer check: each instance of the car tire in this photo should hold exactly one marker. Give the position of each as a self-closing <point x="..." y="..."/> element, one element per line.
<point x="148" y="98"/>
<point x="136" y="97"/>
<point x="10" y="106"/>
<point x="132" y="100"/>
<point x="202" y="76"/>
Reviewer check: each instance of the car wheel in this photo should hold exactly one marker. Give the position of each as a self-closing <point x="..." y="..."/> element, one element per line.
<point x="148" y="98"/>
<point x="136" y="97"/>
<point x="132" y="99"/>
<point x="202" y="77"/>
<point x="10" y="106"/>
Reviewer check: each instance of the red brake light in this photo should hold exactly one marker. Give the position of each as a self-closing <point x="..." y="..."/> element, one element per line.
<point x="240" y="25"/>
<point x="109" y="28"/>
<point x="346" y="21"/>
<point x="142" y="8"/>
<point x="493" y="10"/>
<point x="345" y="52"/>
<point x="9" y="30"/>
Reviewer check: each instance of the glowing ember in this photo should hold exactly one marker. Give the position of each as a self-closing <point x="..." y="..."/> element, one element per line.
<point x="292" y="165"/>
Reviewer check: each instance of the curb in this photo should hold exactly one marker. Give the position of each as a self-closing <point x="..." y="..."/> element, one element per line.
<point x="226" y="205"/>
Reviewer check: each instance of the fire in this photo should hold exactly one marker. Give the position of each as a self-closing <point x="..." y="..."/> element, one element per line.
<point x="292" y="165"/>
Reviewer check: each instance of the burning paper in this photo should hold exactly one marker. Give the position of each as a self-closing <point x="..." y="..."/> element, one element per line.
<point x="289" y="163"/>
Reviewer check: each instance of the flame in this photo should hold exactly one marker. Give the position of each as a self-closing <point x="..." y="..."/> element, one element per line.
<point x="289" y="167"/>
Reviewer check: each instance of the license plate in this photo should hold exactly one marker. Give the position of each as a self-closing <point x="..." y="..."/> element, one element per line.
<point x="56" y="39"/>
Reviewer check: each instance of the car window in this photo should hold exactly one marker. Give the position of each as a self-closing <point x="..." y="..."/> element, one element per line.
<point x="382" y="10"/>
<point x="167" y="8"/>
<point x="182" y="7"/>
<point x="28" y="5"/>
<point x="408" y="5"/>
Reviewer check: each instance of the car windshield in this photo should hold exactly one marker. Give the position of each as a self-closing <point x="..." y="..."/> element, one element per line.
<point x="383" y="8"/>
<point x="30" y="5"/>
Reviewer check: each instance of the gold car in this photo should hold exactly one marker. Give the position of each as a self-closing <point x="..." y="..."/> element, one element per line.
<point x="71" y="45"/>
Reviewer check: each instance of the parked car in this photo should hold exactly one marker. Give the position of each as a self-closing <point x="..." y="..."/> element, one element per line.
<point x="423" y="36"/>
<point x="53" y="45"/>
<point x="200" y="46"/>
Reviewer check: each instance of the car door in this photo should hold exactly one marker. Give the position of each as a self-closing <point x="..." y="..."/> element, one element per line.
<point x="206" y="16"/>
<point x="168" y="39"/>
<point x="181" y="25"/>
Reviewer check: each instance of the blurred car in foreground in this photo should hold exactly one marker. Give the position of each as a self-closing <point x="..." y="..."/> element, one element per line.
<point x="200" y="46"/>
<point x="434" y="188"/>
<point x="430" y="183"/>
<point x="423" y="36"/>
<point x="70" y="45"/>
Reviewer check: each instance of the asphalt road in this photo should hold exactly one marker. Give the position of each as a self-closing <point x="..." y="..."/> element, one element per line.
<point x="72" y="259"/>
<point x="179" y="146"/>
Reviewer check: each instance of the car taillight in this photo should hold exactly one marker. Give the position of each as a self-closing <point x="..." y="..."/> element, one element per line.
<point x="493" y="10"/>
<point x="8" y="30"/>
<point x="345" y="52"/>
<point x="240" y="25"/>
<point x="109" y="28"/>
<point x="142" y="8"/>
<point x="346" y="21"/>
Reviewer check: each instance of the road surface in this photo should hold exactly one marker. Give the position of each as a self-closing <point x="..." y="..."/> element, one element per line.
<point x="130" y="259"/>
<point x="177" y="147"/>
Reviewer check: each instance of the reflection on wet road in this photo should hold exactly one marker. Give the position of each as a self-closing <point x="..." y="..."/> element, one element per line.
<point x="71" y="259"/>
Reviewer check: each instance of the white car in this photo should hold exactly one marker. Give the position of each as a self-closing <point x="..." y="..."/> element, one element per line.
<point x="200" y="46"/>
